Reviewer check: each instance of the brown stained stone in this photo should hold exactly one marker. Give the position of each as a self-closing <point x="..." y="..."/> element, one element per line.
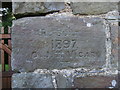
<point x="96" y="82"/>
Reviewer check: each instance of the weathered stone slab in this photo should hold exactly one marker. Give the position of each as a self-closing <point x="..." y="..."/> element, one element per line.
<point x="63" y="82"/>
<point x="57" y="43"/>
<point x="102" y="81"/>
<point x="93" y="7"/>
<point x="114" y="39"/>
<point x="36" y="7"/>
<point x="32" y="80"/>
<point x="112" y="20"/>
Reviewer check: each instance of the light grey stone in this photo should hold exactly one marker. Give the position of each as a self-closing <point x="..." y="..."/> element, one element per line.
<point x="58" y="43"/>
<point x="53" y="6"/>
<point x="32" y="80"/>
<point x="63" y="81"/>
<point x="27" y="8"/>
<point x="93" y="7"/>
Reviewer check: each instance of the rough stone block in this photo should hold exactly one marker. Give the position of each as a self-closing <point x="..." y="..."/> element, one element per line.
<point x="26" y="8"/>
<point x="63" y="81"/>
<point x="93" y="7"/>
<point x="114" y="40"/>
<point x="112" y="20"/>
<point x="32" y="80"/>
<point x="58" y="43"/>
<point x="110" y="81"/>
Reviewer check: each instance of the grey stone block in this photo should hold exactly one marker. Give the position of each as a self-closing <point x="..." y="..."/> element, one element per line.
<point x="93" y="8"/>
<point x="32" y="80"/>
<point x="58" y="43"/>
<point x="115" y="47"/>
<point x="63" y="81"/>
<point x="27" y="8"/>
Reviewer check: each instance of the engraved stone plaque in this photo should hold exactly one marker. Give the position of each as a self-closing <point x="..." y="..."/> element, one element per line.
<point x="58" y="43"/>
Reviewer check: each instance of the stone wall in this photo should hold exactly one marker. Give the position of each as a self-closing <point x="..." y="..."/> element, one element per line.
<point x="65" y="45"/>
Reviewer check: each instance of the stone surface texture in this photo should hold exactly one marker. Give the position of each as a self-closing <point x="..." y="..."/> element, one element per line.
<point x="112" y="20"/>
<point x="65" y="45"/>
<point x="36" y="7"/>
<point x="58" y="43"/>
<point x="114" y="40"/>
<point x="96" y="82"/>
<point x="63" y="82"/>
<point x="32" y="80"/>
<point x="93" y="8"/>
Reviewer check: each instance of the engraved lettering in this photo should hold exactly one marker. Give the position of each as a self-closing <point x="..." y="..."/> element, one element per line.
<point x="73" y="43"/>
<point x="63" y="44"/>
<point x="66" y="43"/>
<point x="81" y="54"/>
<point x="58" y="44"/>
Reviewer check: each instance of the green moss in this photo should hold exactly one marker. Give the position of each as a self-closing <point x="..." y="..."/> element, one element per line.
<point x="6" y="67"/>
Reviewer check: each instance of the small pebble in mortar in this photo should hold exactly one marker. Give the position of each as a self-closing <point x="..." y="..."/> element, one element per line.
<point x="113" y="83"/>
<point x="89" y="24"/>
